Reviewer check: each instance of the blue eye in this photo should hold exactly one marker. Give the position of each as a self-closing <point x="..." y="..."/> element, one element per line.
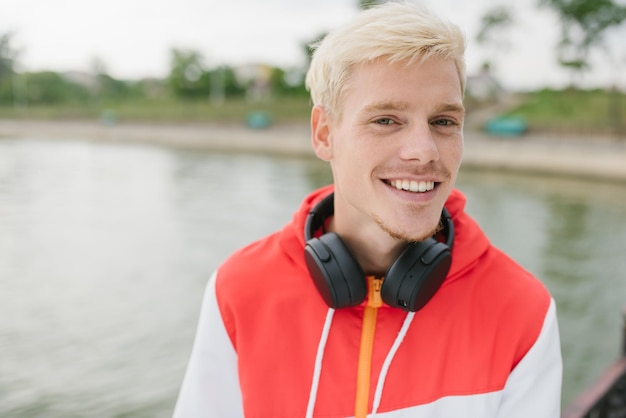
<point x="443" y="122"/>
<point x="385" y="121"/>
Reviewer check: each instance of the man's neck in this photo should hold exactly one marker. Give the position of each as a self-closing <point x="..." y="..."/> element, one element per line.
<point x="374" y="249"/>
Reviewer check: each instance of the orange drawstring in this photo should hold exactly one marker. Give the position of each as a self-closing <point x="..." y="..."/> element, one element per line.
<point x="368" y="330"/>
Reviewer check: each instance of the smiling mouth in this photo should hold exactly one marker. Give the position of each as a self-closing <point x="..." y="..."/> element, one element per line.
<point x="412" y="185"/>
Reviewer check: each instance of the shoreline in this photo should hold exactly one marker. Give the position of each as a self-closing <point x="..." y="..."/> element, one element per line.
<point x="597" y="158"/>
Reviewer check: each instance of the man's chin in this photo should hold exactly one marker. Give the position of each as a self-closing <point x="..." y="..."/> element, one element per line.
<point x="407" y="236"/>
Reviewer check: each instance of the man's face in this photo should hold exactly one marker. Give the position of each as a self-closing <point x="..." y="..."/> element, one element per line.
<point x="396" y="148"/>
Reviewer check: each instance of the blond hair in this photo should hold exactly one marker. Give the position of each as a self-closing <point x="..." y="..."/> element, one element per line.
<point x="396" y="30"/>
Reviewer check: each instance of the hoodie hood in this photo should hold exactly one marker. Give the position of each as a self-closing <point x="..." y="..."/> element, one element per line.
<point x="469" y="240"/>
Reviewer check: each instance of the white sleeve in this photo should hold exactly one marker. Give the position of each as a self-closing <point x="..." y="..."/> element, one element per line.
<point x="211" y="384"/>
<point x="533" y="388"/>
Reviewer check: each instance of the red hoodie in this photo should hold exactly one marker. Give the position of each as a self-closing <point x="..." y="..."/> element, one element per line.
<point x="267" y="346"/>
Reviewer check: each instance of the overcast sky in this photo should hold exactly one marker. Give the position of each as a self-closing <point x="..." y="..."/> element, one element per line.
<point x="133" y="37"/>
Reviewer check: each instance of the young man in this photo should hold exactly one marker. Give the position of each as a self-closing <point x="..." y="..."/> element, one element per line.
<point x="374" y="299"/>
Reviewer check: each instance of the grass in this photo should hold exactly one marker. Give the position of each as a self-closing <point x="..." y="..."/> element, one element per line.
<point x="573" y="111"/>
<point x="286" y="109"/>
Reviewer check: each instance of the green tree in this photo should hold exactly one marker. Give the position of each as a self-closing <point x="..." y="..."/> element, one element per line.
<point x="583" y="27"/>
<point x="189" y="79"/>
<point x="107" y="87"/>
<point x="232" y="87"/>
<point x="47" y="87"/>
<point x="8" y="59"/>
<point x="287" y="83"/>
<point x="112" y="88"/>
<point x="493" y="24"/>
<point x="221" y="82"/>
<point x="366" y="4"/>
<point x="8" y="56"/>
<point x="186" y="74"/>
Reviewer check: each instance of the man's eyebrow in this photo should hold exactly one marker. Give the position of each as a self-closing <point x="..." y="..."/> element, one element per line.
<point x="451" y="107"/>
<point x="386" y="106"/>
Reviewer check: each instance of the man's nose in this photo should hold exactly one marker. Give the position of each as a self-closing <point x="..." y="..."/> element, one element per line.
<point x="419" y="144"/>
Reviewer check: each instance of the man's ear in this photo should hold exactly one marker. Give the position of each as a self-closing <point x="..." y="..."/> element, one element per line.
<point x="321" y="137"/>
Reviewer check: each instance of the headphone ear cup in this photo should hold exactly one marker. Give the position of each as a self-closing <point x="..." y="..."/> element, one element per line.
<point x="337" y="275"/>
<point x="416" y="275"/>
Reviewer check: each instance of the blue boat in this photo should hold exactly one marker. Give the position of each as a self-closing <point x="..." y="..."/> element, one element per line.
<point x="506" y="126"/>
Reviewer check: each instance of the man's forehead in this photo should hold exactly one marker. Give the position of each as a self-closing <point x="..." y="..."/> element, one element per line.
<point x="363" y="85"/>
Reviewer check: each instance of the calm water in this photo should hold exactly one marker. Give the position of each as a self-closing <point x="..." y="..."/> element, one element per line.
<point x="105" y="251"/>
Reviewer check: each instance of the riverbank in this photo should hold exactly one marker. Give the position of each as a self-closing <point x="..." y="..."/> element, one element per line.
<point x="601" y="158"/>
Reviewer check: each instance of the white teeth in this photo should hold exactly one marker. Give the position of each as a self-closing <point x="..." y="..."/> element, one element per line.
<point x="413" y="186"/>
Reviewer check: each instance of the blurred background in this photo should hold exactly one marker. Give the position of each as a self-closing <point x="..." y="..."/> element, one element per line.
<point x="559" y="64"/>
<point x="111" y="223"/>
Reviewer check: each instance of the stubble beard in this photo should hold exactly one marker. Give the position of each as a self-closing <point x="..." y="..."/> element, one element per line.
<point x="403" y="236"/>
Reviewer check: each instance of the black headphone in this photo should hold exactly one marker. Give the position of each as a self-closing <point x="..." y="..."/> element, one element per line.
<point x="410" y="282"/>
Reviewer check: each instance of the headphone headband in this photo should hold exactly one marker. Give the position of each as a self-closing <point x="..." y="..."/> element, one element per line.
<point x="318" y="215"/>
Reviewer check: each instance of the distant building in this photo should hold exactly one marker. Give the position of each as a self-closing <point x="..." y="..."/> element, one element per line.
<point x="257" y="79"/>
